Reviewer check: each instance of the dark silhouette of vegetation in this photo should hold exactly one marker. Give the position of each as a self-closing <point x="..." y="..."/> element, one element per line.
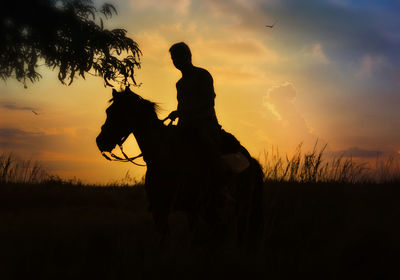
<point x="328" y="231"/>
<point x="68" y="35"/>
<point x="13" y="170"/>
<point x="339" y="228"/>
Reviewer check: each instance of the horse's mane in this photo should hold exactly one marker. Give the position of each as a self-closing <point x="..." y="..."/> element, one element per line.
<point x="147" y="104"/>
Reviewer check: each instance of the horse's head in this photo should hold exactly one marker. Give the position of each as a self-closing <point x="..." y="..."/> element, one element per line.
<point x="125" y="114"/>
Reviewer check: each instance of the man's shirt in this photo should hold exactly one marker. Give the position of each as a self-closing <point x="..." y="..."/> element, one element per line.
<point x="195" y="94"/>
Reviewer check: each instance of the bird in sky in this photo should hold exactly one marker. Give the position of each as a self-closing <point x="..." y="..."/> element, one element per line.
<point x="271" y="26"/>
<point x="35" y="112"/>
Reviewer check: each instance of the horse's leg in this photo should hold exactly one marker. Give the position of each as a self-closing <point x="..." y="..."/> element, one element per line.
<point x="193" y="221"/>
<point x="161" y="222"/>
<point x="195" y="236"/>
<point x="157" y="194"/>
<point x="249" y="211"/>
<point x="213" y="217"/>
<point x="256" y="222"/>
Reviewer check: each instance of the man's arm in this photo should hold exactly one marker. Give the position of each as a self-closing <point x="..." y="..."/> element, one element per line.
<point x="174" y="114"/>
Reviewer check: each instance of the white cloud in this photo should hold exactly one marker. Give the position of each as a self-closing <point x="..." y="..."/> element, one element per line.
<point x="282" y="93"/>
<point x="277" y="96"/>
<point x="280" y="102"/>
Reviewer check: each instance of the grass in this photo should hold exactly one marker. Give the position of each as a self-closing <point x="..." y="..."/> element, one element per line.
<point x="322" y="220"/>
<point x="315" y="167"/>
<point x="13" y="170"/>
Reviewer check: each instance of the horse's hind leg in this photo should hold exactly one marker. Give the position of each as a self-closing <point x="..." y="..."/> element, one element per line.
<point x="250" y="212"/>
<point x="257" y="209"/>
<point x="161" y="223"/>
<point x="194" y="228"/>
<point x="193" y="221"/>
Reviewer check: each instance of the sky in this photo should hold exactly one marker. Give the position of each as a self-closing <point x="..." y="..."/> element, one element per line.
<point x="328" y="70"/>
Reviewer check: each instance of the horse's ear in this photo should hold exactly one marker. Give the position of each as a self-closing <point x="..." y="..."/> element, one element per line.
<point x="114" y="93"/>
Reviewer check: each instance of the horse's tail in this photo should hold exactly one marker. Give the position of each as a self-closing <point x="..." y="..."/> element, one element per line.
<point x="250" y="218"/>
<point x="256" y="223"/>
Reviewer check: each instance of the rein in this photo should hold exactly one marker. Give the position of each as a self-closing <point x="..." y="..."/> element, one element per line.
<point x="114" y="157"/>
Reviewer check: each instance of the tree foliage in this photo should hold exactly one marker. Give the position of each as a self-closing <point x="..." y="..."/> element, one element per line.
<point x="68" y="35"/>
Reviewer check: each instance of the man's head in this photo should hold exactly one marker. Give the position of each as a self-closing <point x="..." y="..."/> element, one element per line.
<point x="180" y="55"/>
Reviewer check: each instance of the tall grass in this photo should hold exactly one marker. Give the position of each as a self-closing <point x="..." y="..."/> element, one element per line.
<point x="387" y="170"/>
<point x="315" y="167"/>
<point x="14" y="170"/>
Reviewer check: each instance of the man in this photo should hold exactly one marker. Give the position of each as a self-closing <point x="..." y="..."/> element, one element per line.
<point x="198" y="125"/>
<point x="195" y="90"/>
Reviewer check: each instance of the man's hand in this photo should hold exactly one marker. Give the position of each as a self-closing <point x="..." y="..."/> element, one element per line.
<point x="172" y="116"/>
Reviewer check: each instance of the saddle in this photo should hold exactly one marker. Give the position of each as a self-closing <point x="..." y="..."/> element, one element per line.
<point x="234" y="155"/>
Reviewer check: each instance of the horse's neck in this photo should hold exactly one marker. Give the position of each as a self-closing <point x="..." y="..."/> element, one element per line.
<point x="148" y="137"/>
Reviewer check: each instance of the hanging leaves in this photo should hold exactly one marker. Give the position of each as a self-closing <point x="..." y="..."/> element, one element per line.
<point x="67" y="36"/>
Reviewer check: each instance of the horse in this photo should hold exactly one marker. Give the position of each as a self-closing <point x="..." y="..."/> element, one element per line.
<point x="172" y="183"/>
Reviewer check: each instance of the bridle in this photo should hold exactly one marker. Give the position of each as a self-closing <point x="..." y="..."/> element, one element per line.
<point x="114" y="157"/>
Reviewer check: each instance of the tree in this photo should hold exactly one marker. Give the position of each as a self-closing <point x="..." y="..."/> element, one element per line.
<point x="66" y="35"/>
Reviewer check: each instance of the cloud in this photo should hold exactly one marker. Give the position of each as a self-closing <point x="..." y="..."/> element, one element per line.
<point x="371" y="65"/>
<point x="341" y="3"/>
<point x="153" y="44"/>
<point x="279" y="99"/>
<point x="288" y="122"/>
<point x="283" y="93"/>
<point x="237" y="49"/>
<point x="347" y="31"/>
<point x="13" y="106"/>
<point x="177" y="6"/>
<point x="357" y="152"/>
<point x="37" y="142"/>
<point x="21" y="141"/>
<point x="11" y="134"/>
<point x="316" y="51"/>
<point x="63" y="154"/>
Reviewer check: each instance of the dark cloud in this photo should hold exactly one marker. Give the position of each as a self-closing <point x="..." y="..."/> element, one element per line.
<point x="357" y="152"/>
<point x="14" y="139"/>
<point x="356" y="29"/>
<point x="347" y="32"/>
<point x="13" y="106"/>
<point x="60" y="154"/>
<point x="11" y="134"/>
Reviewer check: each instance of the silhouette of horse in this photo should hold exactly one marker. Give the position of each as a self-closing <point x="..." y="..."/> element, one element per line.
<point x="175" y="182"/>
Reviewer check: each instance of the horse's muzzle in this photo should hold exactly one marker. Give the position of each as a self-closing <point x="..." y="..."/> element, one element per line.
<point x="103" y="144"/>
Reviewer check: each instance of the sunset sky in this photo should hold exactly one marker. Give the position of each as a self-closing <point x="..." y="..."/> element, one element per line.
<point x="328" y="70"/>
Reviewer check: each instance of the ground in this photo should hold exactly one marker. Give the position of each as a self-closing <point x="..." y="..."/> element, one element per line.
<point x="69" y="231"/>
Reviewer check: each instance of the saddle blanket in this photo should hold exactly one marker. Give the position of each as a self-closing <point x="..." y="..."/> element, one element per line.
<point x="237" y="162"/>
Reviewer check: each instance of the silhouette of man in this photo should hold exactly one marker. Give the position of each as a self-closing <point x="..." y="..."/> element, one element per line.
<point x="195" y="93"/>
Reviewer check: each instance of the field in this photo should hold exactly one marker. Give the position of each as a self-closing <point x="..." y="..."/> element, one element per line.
<point x="55" y="229"/>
